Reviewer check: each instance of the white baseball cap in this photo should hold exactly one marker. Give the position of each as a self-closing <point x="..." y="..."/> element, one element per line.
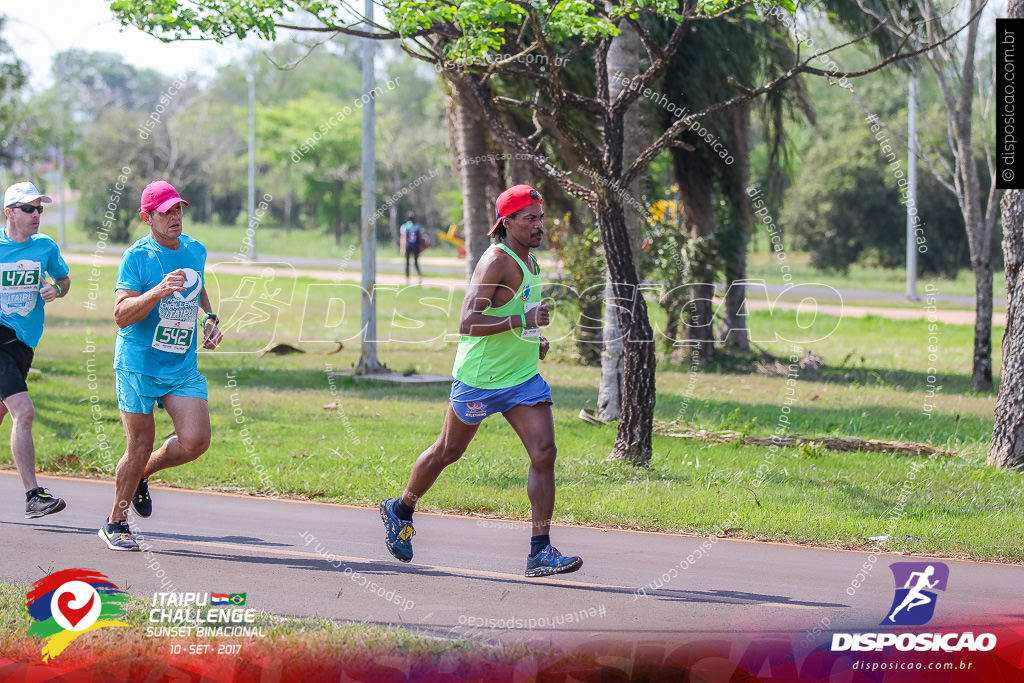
<point x="23" y="192"/>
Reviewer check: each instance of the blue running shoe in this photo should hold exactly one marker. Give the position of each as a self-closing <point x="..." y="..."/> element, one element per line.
<point x="398" y="533"/>
<point x="550" y="561"/>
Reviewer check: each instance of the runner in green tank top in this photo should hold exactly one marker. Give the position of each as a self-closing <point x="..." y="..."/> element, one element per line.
<point x="496" y="372"/>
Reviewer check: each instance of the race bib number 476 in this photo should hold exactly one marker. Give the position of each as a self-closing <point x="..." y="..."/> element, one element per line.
<point x="19" y="287"/>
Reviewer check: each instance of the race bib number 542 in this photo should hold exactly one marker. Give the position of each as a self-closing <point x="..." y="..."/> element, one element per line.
<point x="173" y="336"/>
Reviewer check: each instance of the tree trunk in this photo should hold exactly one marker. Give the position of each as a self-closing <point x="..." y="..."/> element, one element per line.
<point x="623" y="58"/>
<point x="1007" y="448"/>
<point x="609" y="391"/>
<point x="394" y="224"/>
<point x="979" y="234"/>
<point x="589" y="329"/>
<point x="477" y="205"/>
<point x="288" y="212"/>
<point x="734" y="321"/>
<point x="695" y="192"/>
<point x="958" y="91"/>
<point x="981" y="375"/>
<point x="636" y="416"/>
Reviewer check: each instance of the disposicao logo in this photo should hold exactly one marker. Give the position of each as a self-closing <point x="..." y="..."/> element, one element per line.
<point x="914" y="602"/>
<point x="914" y="605"/>
<point x="68" y="603"/>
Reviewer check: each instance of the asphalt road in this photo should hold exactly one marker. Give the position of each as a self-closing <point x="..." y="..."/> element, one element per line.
<point x="297" y="558"/>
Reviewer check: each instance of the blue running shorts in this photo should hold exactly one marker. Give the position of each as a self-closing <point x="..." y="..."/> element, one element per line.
<point x="472" y="405"/>
<point x="136" y="393"/>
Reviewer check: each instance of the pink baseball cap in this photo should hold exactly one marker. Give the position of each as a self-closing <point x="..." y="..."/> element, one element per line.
<point x="514" y="199"/>
<point x="160" y="196"/>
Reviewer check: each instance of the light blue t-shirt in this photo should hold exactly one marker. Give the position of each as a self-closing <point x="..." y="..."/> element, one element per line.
<point x="163" y="344"/>
<point x="23" y="266"/>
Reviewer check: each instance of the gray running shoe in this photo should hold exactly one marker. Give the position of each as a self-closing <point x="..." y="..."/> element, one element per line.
<point x="39" y="503"/>
<point x="118" y="536"/>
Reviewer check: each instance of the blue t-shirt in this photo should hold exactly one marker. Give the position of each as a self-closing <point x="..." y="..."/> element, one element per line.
<point x="23" y="266"/>
<point x="163" y="344"/>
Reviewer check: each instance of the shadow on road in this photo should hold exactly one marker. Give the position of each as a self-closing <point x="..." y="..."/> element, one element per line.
<point x="141" y="534"/>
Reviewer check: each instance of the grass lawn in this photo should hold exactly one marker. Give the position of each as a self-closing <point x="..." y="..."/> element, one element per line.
<point x="873" y="386"/>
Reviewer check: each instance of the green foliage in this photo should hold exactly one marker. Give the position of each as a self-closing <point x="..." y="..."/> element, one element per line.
<point x="209" y="19"/>
<point x="810" y="449"/>
<point x="582" y="285"/>
<point x="12" y="80"/>
<point x="109" y="103"/>
<point x="583" y="258"/>
<point x="846" y="206"/>
<point x="320" y="135"/>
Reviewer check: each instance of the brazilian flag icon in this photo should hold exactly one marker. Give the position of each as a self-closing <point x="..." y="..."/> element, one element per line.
<point x="237" y="598"/>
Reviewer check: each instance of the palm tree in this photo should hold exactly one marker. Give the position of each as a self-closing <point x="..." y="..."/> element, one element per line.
<point x="711" y="163"/>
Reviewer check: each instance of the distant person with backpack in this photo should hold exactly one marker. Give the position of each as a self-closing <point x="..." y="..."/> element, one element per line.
<point x="413" y="241"/>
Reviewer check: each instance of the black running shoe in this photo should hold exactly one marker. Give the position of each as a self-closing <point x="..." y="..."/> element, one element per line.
<point x="39" y="503"/>
<point x="141" y="501"/>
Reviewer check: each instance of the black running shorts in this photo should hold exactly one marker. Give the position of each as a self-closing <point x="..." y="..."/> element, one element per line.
<point x="15" y="361"/>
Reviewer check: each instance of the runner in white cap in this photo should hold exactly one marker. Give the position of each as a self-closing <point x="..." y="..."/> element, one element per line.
<point x="27" y="259"/>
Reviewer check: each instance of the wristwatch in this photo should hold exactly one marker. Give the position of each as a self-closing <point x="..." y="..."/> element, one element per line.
<point x="211" y="316"/>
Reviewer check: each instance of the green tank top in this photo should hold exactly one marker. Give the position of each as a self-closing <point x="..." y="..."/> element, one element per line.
<point x="503" y="360"/>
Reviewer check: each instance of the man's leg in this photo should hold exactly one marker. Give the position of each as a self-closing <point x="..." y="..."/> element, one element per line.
<point x="23" y="448"/>
<point x="407" y="255"/>
<point x="416" y="260"/>
<point x="191" y="418"/>
<point x="536" y="429"/>
<point x="397" y="514"/>
<point x="449" y="447"/>
<point x="140" y="431"/>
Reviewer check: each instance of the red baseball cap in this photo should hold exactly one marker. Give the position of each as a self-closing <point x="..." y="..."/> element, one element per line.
<point x="514" y="199"/>
<point x="160" y="196"/>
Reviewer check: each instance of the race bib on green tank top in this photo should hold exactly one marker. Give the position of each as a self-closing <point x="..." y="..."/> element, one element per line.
<point x="19" y="287"/>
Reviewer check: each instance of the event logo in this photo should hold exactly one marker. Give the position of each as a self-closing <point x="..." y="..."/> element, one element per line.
<point x="192" y="278"/>
<point x="914" y="605"/>
<point x="914" y="602"/>
<point x="68" y="603"/>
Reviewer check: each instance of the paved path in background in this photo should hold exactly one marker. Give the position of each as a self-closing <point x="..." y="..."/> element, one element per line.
<point x="468" y="571"/>
<point x="758" y="298"/>
<point x="455" y="267"/>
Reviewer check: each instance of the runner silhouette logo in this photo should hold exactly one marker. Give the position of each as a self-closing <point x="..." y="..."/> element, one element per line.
<point x="916" y="583"/>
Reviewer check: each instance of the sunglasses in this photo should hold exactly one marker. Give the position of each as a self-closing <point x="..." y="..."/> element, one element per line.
<point x="535" y="195"/>
<point x="27" y="208"/>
